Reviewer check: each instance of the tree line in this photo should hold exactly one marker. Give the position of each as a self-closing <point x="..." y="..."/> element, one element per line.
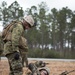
<point x="54" y="33"/>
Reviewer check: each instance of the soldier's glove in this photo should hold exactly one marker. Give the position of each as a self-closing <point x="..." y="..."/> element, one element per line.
<point x="40" y="64"/>
<point x="32" y="67"/>
<point x="16" y="55"/>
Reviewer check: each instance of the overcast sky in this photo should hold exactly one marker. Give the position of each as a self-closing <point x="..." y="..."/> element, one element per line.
<point x="51" y="3"/>
<point x="58" y="4"/>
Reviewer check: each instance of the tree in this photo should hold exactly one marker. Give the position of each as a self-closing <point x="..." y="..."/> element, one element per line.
<point x="43" y="25"/>
<point x="4" y="13"/>
<point x="72" y="26"/>
<point x="15" y="11"/>
<point x="54" y="25"/>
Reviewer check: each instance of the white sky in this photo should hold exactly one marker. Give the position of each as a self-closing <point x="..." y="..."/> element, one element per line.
<point x="58" y="4"/>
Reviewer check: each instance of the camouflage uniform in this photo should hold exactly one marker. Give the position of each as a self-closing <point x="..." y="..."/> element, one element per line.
<point x="12" y="36"/>
<point x="11" y="50"/>
<point x="23" y="51"/>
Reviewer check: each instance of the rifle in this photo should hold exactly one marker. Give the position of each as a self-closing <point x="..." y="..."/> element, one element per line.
<point x="66" y="72"/>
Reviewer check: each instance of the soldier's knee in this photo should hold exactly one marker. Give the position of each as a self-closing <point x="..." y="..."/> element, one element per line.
<point x="17" y="66"/>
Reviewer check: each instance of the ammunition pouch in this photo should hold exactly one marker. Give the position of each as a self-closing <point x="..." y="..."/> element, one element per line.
<point x="16" y="55"/>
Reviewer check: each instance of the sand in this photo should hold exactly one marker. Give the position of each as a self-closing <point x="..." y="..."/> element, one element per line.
<point x="56" y="67"/>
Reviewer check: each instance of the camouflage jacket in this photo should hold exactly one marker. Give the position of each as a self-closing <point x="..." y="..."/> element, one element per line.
<point x="23" y="45"/>
<point x="13" y="45"/>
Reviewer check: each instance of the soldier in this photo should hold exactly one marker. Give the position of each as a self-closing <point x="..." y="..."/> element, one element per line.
<point x="11" y="44"/>
<point x="23" y="51"/>
<point x="38" y="70"/>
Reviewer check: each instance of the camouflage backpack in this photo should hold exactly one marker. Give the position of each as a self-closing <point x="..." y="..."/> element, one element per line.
<point x="6" y="34"/>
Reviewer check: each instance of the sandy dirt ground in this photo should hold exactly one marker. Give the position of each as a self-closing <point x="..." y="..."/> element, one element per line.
<point x="56" y="67"/>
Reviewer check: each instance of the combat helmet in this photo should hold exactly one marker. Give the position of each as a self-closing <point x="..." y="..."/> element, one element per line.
<point x="46" y="69"/>
<point x="29" y="19"/>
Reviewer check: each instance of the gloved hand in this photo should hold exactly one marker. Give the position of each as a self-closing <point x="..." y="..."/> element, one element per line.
<point x="40" y="64"/>
<point x="16" y="55"/>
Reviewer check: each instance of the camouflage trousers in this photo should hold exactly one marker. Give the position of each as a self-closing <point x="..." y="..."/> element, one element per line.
<point x="24" y="59"/>
<point x="15" y="66"/>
